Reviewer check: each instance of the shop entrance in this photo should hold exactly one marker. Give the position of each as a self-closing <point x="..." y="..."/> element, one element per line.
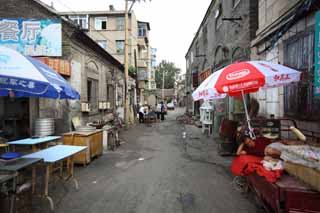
<point x="14" y="114"/>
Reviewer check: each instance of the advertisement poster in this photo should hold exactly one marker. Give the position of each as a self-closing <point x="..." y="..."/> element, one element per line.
<point x="32" y="37"/>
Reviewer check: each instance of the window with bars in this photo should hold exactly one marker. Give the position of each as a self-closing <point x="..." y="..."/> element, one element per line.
<point x="299" y="100"/>
<point x="93" y="93"/>
<point x="102" y="43"/>
<point x="120" y="23"/>
<point x="120" y="46"/>
<point x="235" y="3"/>
<point x="80" y="20"/>
<point x="100" y="23"/>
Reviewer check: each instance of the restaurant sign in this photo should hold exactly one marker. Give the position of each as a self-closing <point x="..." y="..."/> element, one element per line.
<point x="204" y="74"/>
<point x="32" y="37"/>
<point x="61" y="66"/>
<point x="317" y="56"/>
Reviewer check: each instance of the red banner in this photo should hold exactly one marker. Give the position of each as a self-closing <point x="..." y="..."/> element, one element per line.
<point x="61" y="66"/>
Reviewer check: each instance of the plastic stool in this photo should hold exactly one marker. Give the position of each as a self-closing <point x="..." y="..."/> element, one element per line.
<point x="10" y="155"/>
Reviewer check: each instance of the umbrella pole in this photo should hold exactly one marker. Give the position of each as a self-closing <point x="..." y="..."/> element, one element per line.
<point x="247" y="115"/>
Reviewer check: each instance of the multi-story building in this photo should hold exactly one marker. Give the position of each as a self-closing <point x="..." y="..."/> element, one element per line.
<point x="223" y="37"/>
<point x="107" y="28"/>
<point x="286" y="35"/>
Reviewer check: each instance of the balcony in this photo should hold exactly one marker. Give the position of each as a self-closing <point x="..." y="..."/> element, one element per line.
<point x="142" y="43"/>
<point x="142" y="75"/>
<point x="142" y="64"/>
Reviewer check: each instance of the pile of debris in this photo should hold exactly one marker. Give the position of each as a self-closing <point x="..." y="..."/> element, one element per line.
<point x="187" y="118"/>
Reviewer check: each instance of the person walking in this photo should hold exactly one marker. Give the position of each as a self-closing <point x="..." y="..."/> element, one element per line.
<point x="162" y="111"/>
<point x="141" y="114"/>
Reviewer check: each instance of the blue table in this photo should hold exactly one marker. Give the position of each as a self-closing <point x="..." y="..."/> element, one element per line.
<point x="56" y="155"/>
<point x="34" y="142"/>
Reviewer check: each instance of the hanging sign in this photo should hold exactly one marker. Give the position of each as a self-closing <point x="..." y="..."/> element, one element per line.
<point x="204" y="74"/>
<point x="317" y="56"/>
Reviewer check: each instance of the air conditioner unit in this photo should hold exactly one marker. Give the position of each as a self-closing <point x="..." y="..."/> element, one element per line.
<point x="103" y="105"/>
<point x="108" y="105"/>
<point x="85" y="107"/>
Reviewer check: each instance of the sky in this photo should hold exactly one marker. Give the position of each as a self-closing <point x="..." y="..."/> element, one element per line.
<point x="173" y="23"/>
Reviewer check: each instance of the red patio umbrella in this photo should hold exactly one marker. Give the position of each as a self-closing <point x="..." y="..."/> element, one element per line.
<point x="246" y="77"/>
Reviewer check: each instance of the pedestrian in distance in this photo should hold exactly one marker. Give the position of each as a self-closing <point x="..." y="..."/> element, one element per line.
<point x="162" y="111"/>
<point x="141" y="114"/>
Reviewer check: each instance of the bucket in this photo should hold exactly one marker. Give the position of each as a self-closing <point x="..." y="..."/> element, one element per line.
<point x="44" y="127"/>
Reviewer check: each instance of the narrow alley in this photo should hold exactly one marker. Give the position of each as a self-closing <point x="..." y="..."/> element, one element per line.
<point x="152" y="172"/>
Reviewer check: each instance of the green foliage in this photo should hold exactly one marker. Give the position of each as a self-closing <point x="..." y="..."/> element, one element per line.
<point x="170" y="71"/>
<point x="132" y="70"/>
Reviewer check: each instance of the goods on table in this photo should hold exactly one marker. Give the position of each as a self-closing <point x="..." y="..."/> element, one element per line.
<point x="298" y="133"/>
<point x="305" y="155"/>
<point x="307" y="175"/>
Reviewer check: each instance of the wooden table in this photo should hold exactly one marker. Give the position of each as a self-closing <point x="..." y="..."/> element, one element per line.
<point x="53" y="156"/>
<point x="93" y="140"/>
<point x="34" y="142"/>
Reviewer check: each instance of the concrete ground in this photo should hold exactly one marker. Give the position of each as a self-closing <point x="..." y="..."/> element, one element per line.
<point x="153" y="171"/>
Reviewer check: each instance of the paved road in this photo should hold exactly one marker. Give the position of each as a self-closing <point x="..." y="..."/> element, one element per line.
<point x="153" y="173"/>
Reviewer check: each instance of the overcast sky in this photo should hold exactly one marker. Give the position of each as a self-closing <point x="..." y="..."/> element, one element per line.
<point x="173" y="22"/>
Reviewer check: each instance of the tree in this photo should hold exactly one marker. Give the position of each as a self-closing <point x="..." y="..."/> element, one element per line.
<point x="170" y="72"/>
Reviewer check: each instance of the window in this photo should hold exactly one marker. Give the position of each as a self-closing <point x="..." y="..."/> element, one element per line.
<point x="120" y="23"/>
<point x="205" y="36"/>
<point x="191" y="57"/>
<point x="100" y="23"/>
<point x="152" y="74"/>
<point x="93" y="93"/>
<point x="218" y="16"/>
<point x="142" y="32"/>
<point x="197" y="49"/>
<point x="120" y="46"/>
<point x="81" y="20"/>
<point x="299" y="99"/>
<point x="102" y="43"/>
<point x="235" y="3"/>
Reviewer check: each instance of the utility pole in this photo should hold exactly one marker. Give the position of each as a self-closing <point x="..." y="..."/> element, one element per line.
<point x="163" y="85"/>
<point x="126" y="65"/>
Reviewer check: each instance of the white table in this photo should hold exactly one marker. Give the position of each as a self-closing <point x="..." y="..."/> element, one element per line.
<point x="53" y="156"/>
<point x="34" y="142"/>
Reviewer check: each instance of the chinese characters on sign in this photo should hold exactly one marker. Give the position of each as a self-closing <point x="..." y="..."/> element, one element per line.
<point x="33" y="37"/>
<point x="204" y="74"/>
<point x="63" y="67"/>
<point x="317" y="56"/>
<point x="17" y="82"/>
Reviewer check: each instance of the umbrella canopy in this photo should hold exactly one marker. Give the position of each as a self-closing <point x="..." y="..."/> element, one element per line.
<point x="206" y="91"/>
<point x="28" y="77"/>
<point x="245" y="77"/>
